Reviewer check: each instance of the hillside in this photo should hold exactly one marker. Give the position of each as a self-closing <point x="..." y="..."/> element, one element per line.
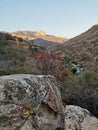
<point x="13" y="54"/>
<point x="83" y="49"/>
<point x="18" y="56"/>
<point x="22" y="56"/>
<point x="40" y="39"/>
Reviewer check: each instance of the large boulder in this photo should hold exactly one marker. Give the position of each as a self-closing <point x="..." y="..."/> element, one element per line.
<point x="29" y="102"/>
<point x="78" y="118"/>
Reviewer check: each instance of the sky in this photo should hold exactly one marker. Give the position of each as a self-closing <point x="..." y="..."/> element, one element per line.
<point x="66" y="18"/>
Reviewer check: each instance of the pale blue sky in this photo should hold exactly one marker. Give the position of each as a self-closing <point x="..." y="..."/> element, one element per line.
<point x="56" y="17"/>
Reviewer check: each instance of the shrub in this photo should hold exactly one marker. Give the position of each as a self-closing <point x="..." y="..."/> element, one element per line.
<point x="20" y="39"/>
<point x="82" y="90"/>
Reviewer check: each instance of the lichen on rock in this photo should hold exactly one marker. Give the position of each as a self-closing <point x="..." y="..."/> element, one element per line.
<point x="30" y="102"/>
<point x="78" y="118"/>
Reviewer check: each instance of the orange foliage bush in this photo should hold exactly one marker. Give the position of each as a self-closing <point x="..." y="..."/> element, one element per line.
<point x="50" y="64"/>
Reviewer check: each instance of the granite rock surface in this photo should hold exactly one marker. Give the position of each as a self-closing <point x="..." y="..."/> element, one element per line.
<point x="78" y="118"/>
<point x="30" y="102"/>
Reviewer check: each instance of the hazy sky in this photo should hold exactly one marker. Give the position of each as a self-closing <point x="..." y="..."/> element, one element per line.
<point x="57" y="17"/>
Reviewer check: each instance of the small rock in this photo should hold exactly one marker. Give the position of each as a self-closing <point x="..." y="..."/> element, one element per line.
<point x="78" y="118"/>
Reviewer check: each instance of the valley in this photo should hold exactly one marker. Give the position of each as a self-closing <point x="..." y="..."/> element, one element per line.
<point x="73" y="62"/>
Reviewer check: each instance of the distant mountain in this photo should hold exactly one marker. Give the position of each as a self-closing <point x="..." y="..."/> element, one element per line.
<point x="84" y="48"/>
<point x="41" y="39"/>
<point x="38" y="35"/>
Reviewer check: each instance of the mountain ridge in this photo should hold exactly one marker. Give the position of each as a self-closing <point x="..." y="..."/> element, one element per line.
<point x="30" y="35"/>
<point x="87" y="34"/>
<point x="84" y="48"/>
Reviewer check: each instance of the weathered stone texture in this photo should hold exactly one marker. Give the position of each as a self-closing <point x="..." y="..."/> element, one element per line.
<point x="29" y="102"/>
<point x="78" y="118"/>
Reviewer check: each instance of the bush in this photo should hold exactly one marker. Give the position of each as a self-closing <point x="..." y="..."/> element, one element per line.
<point x="82" y="91"/>
<point x="20" y="39"/>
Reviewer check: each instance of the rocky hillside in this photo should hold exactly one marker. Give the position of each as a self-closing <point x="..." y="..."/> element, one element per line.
<point x="13" y="54"/>
<point x="38" y="35"/>
<point x="48" y="46"/>
<point x="40" y="39"/>
<point x="84" y="49"/>
<point x="18" y="56"/>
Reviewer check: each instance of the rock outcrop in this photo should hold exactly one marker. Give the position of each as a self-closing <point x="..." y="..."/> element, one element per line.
<point x="29" y="102"/>
<point x="78" y="118"/>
